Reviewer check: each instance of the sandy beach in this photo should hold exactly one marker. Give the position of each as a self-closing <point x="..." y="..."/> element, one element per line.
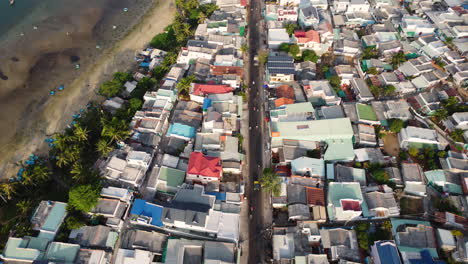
<point x="37" y="62"/>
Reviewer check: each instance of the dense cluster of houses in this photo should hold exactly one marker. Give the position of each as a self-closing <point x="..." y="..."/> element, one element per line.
<point x="333" y="146"/>
<point x="174" y="189"/>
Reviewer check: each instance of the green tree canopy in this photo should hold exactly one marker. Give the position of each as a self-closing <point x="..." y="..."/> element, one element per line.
<point x="184" y="85"/>
<point x="413" y="152"/>
<point x="335" y="81"/>
<point x="398" y="58"/>
<point x="310" y="55"/>
<point x="270" y="181"/>
<point x="396" y="125"/>
<point x="370" y="53"/>
<point x="83" y="197"/>
<point x="381" y="176"/>
<point x="372" y="71"/>
<point x="111" y="88"/>
<point x="290" y="27"/>
<point x="284" y="47"/>
<point x="294" y="50"/>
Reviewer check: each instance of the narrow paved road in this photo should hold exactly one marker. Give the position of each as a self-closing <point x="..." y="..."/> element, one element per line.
<point x="257" y="247"/>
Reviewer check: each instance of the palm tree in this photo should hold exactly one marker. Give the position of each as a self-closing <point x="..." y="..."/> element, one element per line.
<point x="441" y="114"/>
<point x="201" y="18"/>
<point x="115" y="133"/>
<point x="24" y="206"/>
<point x="104" y="147"/>
<point x="62" y="160"/>
<point x="457" y="135"/>
<point x="80" y="133"/>
<point x="61" y="141"/>
<point x="244" y="48"/>
<point x="398" y="58"/>
<point x="184" y="84"/>
<point x="7" y="190"/>
<point x="270" y="181"/>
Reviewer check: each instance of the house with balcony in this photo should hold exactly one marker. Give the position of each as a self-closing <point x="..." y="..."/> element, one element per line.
<point x="203" y="169"/>
<point x="336" y="133"/>
<point x="341" y="243"/>
<point x="48" y="218"/>
<point x="308" y="16"/>
<point x="382" y="204"/>
<point x="276" y="37"/>
<point x="417" y="137"/>
<point x="413" y="26"/>
<point x="345" y="202"/>
<point x="280" y="68"/>
<point x="321" y="90"/>
<point x="197" y="49"/>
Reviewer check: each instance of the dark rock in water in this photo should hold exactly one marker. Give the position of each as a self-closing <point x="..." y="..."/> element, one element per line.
<point x="3" y="76"/>
<point x="15" y="59"/>
<point x="74" y="58"/>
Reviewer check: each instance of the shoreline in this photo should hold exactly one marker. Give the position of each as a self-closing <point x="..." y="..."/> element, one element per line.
<point x="54" y="113"/>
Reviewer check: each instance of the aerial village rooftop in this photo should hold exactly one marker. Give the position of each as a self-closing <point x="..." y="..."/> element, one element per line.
<point x="367" y="125"/>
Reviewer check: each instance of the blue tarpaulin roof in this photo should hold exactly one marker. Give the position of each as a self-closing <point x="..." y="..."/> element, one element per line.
<point x="141" y="207"/>
<point x="206" y="103"/>
<point x="220" y="196"/>
<point x="144" y="64"/>
<point x="388" y="253"/>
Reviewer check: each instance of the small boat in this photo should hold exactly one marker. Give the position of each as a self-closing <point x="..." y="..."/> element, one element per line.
<point x="12" y="2"/>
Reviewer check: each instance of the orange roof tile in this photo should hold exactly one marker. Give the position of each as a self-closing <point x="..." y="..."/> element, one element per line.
<point x="283" y="101"/>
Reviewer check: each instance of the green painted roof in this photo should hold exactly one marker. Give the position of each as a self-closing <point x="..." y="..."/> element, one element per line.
<point x="173" y="177"/>
<point x="55" y="217"/>
<point x="366" y="112"/>
<point x="27" y="248"/>
<point x="341" y="149"/>
<point x="340" y="190"/>
<point x="299" y="108"/>
<point x="62" y="252"/>
<point x="435" y="175"/>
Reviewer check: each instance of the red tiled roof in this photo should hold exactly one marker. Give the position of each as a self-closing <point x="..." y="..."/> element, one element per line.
<point x="309" y="36"/>
<point x="299" y="33"/>
<point x="200" y="89"/>
<point x="315" y="196"/>
<point x="350" y="205"/>
<point x="283" y="101"/>
<point x="285" y="91"/>
<point x="244" y="2"/>
<point x="221" y="70"/>
<point x="200" y="164"/>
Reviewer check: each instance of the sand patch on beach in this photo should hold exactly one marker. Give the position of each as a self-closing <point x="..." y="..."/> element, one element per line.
<point x="28" y="113"/>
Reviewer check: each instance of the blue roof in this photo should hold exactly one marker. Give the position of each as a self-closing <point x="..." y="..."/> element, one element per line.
<point x="141" y="207"/>
<point x="426" y="258"/>
<point x="181" y="130"/>
<point x="206" y="103"/>
<point x="220" y="196"/>
<point x="388" y="253"/>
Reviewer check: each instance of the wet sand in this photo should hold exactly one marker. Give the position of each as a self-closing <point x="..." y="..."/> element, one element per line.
<point x="46" y="58"/>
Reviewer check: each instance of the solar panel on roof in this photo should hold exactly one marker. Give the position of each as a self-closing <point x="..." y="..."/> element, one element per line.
<point x="280" y="65"/>
<point x="281" y="70"/>
<point x="280" y="59"/>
